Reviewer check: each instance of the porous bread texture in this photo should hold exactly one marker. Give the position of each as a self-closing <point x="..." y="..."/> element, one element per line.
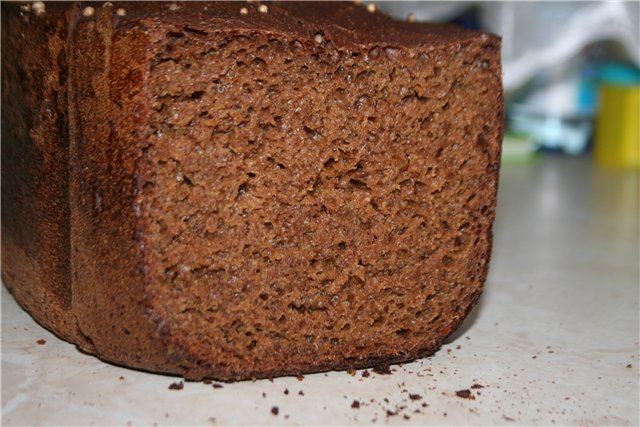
<point x="308" y="208"/>
<point x="240" y="198"/>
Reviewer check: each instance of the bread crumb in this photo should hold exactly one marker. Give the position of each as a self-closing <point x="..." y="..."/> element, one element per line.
<point x="465" y="394"/>
<point x="173" y="7"/>
<point x="411" y="17"/>
<point x="382" y="370"/>
<point x="107" y="4"/>
<point x="88" y="11"/>
<point x="275" y="410"/>
<point x="121" y="12"/>
<point x="318" y="38"/>
<point x="176" y="386"/>
<point x="244" y="11"/>
<point x="371" y="7"/>
<point x="263" y="8"/>
<point x="41" y="342"/>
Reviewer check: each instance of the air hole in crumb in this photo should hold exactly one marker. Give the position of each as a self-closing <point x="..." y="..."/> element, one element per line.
<point x="268" y="225"/>
<point x="197" y="94"/>
<point x="358" y="184"/>
<point x="402" y="332"/>
<point x="329" y="163"/>
<point x="342" y="246"/>
<point x="242" y="190"/>
<point x="195" y="31"/>
<point x="312" y="134"/>
<point x="447" y="260"/>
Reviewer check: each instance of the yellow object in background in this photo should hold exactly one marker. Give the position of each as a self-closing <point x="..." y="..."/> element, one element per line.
<point x="617" y="136"/>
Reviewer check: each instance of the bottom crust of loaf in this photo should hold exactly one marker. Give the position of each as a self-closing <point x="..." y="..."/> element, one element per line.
<point x="239" y="373"/>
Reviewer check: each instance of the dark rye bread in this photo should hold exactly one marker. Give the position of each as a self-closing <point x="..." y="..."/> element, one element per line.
<point x="191" y="189"/>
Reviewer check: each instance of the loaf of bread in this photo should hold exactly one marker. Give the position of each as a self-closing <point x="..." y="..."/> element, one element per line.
<point x="244" y="190"/>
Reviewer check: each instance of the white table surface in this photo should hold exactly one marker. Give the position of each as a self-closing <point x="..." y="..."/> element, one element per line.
<point x="553" y="341"/>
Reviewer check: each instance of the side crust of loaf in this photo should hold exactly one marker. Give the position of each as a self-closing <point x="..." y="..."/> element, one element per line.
<point x="234" y="200"/>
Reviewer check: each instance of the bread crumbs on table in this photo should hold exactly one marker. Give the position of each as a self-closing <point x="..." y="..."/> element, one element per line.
<point x="477" y="386"/>
<point x="415" y="396"/>
<point x="41" y="342"/>
<point x="176" y="386"/>
<point x="355" y="404"/>
<point x="218" y="385"/>
<point x="207" y="381"/>
<point x="406" y="417"/>
<point x="390" y="413"/>
<point x="264" y="394"/>
<point x="286" y="391"/>
<point x="504" y="417"/>
<point x="301" y="393"/>
<point x="274" y="410"/>
<point x="121" y="377"/>
<point x="365" y="374"/>
<point x="629" y="365"/>
<point x="300" y="377"/>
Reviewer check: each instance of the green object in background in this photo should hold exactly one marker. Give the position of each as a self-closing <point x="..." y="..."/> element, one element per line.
<point x="518" y="149"/>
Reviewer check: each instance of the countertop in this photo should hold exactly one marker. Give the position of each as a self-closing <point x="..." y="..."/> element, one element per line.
<point x="554" y="339"/>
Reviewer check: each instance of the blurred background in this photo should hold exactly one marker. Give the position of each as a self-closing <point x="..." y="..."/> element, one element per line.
<point x="571" y="76"/>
